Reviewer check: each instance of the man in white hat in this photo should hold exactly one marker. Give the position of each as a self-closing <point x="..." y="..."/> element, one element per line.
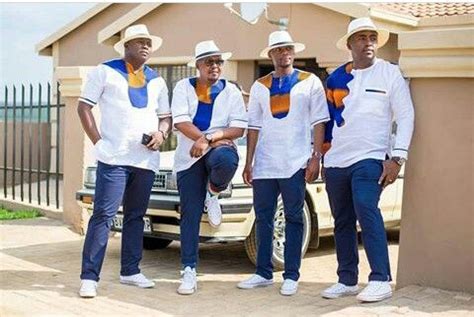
<point x="135" y="120"/>
<point x="283" y="108"/>
<point x="209" y="114"/>
<point x="364" y="97"/>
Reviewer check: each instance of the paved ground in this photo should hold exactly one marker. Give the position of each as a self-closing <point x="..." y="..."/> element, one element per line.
<point x="40" y="261"/>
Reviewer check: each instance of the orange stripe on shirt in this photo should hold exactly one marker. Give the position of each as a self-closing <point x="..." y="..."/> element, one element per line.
<point x="203" y="93"/>
<point x="135" y="80"/>
<point x="329" y="95"/>
<point x="280" y="103"/>
<point x="266" y="80"/>
<point x="338" y="95"/>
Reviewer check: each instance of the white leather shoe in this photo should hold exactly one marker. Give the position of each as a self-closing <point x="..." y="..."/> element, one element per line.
<point x="339" y="290"/>
<point x="375" y="291"/>
<point x="137" y="280"/>
<point x="188" y="281"/>
<point x="255" y="281"/>
<point x="214" y="212"/>
<point x="88" y="289"/>
<point x="289" y="287"/>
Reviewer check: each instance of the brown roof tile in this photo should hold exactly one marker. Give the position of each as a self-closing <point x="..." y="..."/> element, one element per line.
<point x="427" y="9"/>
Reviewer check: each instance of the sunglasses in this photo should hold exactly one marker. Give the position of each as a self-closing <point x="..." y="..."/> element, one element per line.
<point x="211" y="62"/>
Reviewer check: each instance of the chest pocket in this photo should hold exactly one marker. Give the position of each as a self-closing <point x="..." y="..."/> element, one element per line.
<point x="376" y="101"/>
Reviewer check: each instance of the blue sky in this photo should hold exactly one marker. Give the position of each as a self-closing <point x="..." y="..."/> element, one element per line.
<point x="22" y="26"/>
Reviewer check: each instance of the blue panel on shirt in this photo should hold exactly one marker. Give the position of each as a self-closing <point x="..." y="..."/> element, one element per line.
<point x="138" y="95"/>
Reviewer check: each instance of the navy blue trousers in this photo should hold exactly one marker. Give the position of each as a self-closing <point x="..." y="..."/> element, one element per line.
<point x="115" y="185"/>
<point x="354" y="194"/>
<point x="265" y="197"/>
<point x="217" y="167"/>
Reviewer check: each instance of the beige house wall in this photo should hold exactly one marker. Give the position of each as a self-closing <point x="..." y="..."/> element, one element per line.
<point x="80" y="47"/>
<point x="437" y="229"/>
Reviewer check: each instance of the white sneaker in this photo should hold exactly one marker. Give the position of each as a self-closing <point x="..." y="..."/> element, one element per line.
<point x="255" y="281"/>
<point x="375" y="291"/>
<point x="339" y="290"/>
<point x="188" y="281"/>
<point x="214" y="212"/>
<point x="88" y="289"/>
<point x="137" y="280"/>
<point x="289" y="287"/>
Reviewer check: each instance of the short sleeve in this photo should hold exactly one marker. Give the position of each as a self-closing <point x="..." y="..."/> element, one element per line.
<point x="179" y="104"/>
<point x="255" y="114"/>
<point x="238" y="116"/>
<point x="163" y="110"/>
<point x="318" y="105"/>
<point x="94" y="86"/>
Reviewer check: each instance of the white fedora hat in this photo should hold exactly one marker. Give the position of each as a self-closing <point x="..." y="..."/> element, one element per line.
<point x="279" y="39"/>
<point x="135" y="32"/>
<point x="363" y="24"/>
<point x="205" y="49"/>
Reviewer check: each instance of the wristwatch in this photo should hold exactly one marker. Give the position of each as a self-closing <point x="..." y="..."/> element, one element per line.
<point x="208" y="137"/>
<point x="399" y="160"/>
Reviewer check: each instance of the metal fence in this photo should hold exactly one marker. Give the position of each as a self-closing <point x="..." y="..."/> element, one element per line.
<point x="31" y="144"/>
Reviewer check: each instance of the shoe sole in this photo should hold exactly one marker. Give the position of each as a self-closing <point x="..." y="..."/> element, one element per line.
<point x="288" y="293"/>
<point x="137" y="285"/>
<point x="187" y="292"/>
<point x="254" y="286"/>
<point x="375" y="298"/>
<point x="330" y="296"/>
<point x="215" y="226"/>
<point x="87" y="295"/>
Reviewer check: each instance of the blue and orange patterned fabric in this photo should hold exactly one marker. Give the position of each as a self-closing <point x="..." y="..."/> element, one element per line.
<point x="137" y="82"/>
<point x="336" y="91"/>
<point x="206" y="97"/>
<point x="280" y="89"/>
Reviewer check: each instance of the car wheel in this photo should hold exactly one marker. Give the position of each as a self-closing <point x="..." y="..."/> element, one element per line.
<point x="279" y="237"/>
<point x="150" y="243"/>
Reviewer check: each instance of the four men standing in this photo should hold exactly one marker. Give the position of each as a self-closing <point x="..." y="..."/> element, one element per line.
<point x="286" y="107"/>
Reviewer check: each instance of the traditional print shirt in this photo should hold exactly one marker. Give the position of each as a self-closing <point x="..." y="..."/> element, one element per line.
<point x="209" y="108"/>
<point x="130" y="103"/>
<point x="363" y="104"/>
<point x="284" y="110"/>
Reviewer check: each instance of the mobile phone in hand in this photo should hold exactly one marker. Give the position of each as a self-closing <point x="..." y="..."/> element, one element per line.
<point x="146" y="138"/>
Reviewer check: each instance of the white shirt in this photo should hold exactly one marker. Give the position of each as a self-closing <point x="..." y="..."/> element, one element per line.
<point x="284" y="144"/>
<point x="377" y="96"/>
<point x="122" y="124"/>
<point x="228" y="111"/>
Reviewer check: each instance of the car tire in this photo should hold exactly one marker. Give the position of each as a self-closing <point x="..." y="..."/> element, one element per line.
<point x="278" y="237"/>
<point x="150" y="243"/>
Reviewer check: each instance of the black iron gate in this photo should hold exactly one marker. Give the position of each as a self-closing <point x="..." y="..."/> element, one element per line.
<point x="31" y="123"/>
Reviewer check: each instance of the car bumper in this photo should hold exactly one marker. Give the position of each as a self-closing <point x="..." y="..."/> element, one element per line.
<point x="164" y="213"/>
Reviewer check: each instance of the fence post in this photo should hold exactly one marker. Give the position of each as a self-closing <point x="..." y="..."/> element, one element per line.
<point x="77" y="154"/>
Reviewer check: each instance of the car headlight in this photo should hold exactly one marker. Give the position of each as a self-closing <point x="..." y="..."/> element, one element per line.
<point x="90" y="176"/>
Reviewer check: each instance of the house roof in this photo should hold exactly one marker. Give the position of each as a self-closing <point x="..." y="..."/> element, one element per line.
<point x="427" y="9"/>
<point x="44" y="47"/>
<point x="400" y="15"/>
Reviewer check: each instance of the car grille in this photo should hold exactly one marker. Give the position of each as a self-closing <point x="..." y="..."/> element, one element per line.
<point x="160" y="181"/>
<point x="164" y="182"/>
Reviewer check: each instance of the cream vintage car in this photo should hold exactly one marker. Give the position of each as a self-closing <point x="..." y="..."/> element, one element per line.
<point x="238" y="222"/>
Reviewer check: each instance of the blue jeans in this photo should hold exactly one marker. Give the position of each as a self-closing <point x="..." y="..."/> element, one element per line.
<point x="354" y="194"/>
<point x="115" y="185"/>
<point x="217" y="167"/>
<point x="265" y="197"/>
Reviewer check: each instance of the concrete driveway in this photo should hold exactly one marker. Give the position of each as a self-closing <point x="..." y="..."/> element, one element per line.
<point x="40" y="262"/>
